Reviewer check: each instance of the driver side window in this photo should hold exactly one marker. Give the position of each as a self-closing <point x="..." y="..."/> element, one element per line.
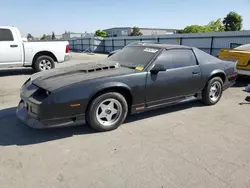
<point x="176" y="58"/>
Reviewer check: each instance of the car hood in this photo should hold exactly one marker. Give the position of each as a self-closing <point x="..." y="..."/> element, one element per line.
<point x="61" y="77"/>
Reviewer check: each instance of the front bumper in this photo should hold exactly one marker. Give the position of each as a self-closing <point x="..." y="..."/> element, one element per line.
<point x="24" y="115"/>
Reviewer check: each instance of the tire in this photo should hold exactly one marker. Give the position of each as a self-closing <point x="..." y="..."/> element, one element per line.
<point x="101" y="116"/>
<point x="207" y="95"/>
<point x="48" y="62"/>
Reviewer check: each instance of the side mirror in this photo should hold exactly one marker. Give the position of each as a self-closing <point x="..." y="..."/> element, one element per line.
<point x="157" y="68"/>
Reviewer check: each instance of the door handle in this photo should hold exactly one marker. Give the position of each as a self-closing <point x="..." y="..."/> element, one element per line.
<point x="13" y="45"/>
<point x="196" y="72"/>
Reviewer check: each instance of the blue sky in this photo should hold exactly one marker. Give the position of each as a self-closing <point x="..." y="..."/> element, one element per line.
<point x="45" y="16"/>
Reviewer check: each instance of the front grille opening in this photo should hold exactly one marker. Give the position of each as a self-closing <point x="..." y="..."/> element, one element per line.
<point x="98" y="69"/>
<point x="105" y="68"/>
<point x="40" y="94"/>
<point x="112" y="67"/>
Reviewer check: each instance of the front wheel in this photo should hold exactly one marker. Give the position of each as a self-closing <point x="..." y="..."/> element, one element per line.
<point x="212" y="93"/>
<point x="107" y="112"/>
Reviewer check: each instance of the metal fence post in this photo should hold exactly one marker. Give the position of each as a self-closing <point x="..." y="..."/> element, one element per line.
<point x="81" y="44"/>
<point x="90" y="44"/>
<point x="113" y="47"/>
<point x="180" y="40"/>
<point x="124" y="42"/>
<point x="104" y="48"/>
<point x="211" y="45"/>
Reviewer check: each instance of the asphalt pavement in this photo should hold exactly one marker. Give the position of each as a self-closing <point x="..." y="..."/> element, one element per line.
<point x="186" y="146"/>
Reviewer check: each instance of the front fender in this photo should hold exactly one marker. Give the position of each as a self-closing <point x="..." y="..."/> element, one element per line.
<point x="109" y="85"/>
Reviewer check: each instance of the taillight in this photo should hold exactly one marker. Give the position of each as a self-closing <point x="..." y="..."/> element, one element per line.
<point x="67" y="49"/>
<point x="233" y="77"/>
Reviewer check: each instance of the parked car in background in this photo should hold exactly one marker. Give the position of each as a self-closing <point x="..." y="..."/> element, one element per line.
<point x="40" y="55"/>
<point x="240" y="54"/>
<point x="140" y="77"/>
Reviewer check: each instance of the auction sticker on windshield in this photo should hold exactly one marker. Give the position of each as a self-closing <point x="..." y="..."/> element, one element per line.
<point x="151" y="50"/>
<point x="140" y="68"/>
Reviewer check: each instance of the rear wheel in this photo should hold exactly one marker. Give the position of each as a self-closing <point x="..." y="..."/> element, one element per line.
<point x="43" y="63"/>
<point x="212" y="93"/>
<point x="107" y="112"/>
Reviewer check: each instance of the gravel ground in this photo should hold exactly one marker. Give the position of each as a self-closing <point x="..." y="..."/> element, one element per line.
<point x="185" y="146"/>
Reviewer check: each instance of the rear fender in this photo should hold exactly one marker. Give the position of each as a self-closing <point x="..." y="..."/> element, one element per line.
<point x="218" y="72"/>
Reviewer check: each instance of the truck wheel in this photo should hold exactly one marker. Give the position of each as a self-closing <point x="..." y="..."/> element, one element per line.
<point x="43" y="63"/>
<point x="212" y="93"/>
<point x="107" y="112"/>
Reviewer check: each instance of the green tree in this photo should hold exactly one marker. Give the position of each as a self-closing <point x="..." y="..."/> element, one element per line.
<point x="100" y="33"/>
<point x="232" y="22"/>
<point x="136" y="32"/>
<point x="180" y="31"/>
<point x="213" y="26"/>
<point x="53" y="37"/>
<point x="194" y="29"/>
<point x="29" y="36"/>
<point x="216" y="26"/>
<point x="43" y="37"/>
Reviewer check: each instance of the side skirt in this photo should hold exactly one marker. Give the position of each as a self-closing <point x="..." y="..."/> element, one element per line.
<point x="135" y="109"/>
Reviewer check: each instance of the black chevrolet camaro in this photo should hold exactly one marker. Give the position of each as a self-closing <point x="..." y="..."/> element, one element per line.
<point x="138" y="78"/>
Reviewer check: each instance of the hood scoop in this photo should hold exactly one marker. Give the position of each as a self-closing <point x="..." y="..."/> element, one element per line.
<point x="99" y="67"/>
<point x="83" y="68"/>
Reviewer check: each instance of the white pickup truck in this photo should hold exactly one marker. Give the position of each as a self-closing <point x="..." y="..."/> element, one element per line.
<point x="40" y="55"/>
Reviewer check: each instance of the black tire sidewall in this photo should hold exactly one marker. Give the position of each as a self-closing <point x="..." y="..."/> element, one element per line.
<point x="205" y="94"/>
<point x="39" y="59"/>
<point x="91" y="111"/>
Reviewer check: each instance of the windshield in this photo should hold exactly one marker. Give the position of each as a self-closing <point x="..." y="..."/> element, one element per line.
<point x="135" y="56"/>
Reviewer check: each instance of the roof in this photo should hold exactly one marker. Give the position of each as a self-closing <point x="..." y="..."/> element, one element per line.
<point x="145" y="28"/>
<point x="165" y="46"/>
<point x="7" y="27"/>
<point x="245" y="47"/>
<point x="142" y="28"/>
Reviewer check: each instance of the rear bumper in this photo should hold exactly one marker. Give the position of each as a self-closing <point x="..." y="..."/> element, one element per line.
<point x="67" y="57"/>
<point x="23" y="114"/>
<point x="228" y="85"/>
<point x="230" y="81"/>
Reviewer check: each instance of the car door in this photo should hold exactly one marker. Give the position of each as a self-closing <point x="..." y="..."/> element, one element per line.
<point x="10" y="49"/>
<point x="181" y="78"/>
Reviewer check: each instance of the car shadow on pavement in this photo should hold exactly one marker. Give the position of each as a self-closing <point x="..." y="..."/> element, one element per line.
<point x="242" y="82"/>
<point x="164" y="110"/>
<point x="14" y="132"/>
<point x="16" y="72"/>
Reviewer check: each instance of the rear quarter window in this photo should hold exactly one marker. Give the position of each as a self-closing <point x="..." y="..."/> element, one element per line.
<point x="6" y="35"/>
<point x="203" y="57"/>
